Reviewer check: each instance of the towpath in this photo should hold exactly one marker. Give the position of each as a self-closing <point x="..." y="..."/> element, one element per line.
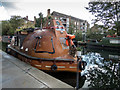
<point x="17" y="74"/>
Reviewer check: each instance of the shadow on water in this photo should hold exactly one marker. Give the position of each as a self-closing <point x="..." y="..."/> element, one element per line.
<point x="102" y="70"/>
<point x="68" y="77"/>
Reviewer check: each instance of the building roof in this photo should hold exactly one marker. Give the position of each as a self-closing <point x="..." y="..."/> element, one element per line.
<point x="64" y="15"/>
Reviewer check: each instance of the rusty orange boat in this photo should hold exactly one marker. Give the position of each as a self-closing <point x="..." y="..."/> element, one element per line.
<point x="47" y="49"/>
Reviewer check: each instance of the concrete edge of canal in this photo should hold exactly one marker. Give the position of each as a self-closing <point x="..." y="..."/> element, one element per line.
<point x="18" y="74"/>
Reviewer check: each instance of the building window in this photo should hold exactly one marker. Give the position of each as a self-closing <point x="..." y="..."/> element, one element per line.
<point x="64" y="19"/>
<point x="81" y="27"/>
<point x="64" y="25"/>
<point x="67" y="19"/>
<point x="55" y="18"/>
<point x="75" y="31"/>
<point x="61" y="18"/>
<point x="67" y="25"/>
<point x="57" y="23"/>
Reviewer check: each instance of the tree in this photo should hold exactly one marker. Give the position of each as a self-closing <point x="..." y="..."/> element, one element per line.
<point x="7" y="28"/>
<point x="78" y="36"/>
<point x="16" y="21"/>
<point x="107" y="13"/>
<point x="40" y="20"/>
<point x="10" y="26"/>
<point x="105" y="75"/>
<point x="71" y="28"/>
<point x="109" y="32"/>
<point x="95" y="33"/>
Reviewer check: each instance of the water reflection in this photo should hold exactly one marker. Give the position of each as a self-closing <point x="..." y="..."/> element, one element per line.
<point x="102" y="72"/>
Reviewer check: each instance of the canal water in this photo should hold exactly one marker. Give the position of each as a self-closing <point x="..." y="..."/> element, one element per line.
<point x="102" y="70"/>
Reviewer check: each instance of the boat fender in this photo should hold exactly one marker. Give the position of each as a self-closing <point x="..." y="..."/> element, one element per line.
<point x="82" y="65"/>
<point x="54" y="67"/>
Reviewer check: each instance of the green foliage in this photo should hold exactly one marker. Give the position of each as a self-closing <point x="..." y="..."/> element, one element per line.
<point x="16" y="21"/>
<point x="71" y="28"/>
<point x="107" y="13"/>
<point x="78" y="36"/>
<point x="79" y="49"/>
<point x="94" y="35"/>
<point x="9" y="27"/>
<point x="110" y="32"/>
<point x="40" y="20"/>
<point x="3" y="46"/>
<point x="49" y="17"/>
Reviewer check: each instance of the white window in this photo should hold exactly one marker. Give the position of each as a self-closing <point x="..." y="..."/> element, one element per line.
<point x="67" y="19"/>
<point x="75" y="23"/>
<point x="67" y="25"/>
<point x="61" y="18"/>
<point x="55" y="18"/>
<point x="114" y="41"/>
<point x="81" y="23"/>
<point x="81" y="27"/>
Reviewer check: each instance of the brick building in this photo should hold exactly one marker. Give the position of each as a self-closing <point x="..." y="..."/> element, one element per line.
<point x="67" y="20"/>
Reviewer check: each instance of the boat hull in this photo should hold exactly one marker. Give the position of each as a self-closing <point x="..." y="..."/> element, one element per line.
<point x="46" y="64"/>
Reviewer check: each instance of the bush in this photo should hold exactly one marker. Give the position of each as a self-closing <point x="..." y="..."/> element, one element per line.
<point x="78" y="36"/>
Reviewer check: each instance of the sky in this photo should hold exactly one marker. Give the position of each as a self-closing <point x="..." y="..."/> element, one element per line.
<point x="31" y="8"/>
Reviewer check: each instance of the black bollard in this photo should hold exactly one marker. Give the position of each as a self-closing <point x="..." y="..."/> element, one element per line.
<point x="78" y="75"/>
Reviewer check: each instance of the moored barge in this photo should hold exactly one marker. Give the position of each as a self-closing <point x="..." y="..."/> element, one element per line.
<point x="49" y="48"/>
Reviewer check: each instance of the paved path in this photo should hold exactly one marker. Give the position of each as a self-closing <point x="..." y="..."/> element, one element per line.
<point x="18" y="74"/>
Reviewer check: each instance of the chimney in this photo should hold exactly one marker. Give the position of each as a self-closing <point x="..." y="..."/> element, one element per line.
<point x="34" y="20"/>
<point x="48" y="12"/>
<point x="27" y="18"/>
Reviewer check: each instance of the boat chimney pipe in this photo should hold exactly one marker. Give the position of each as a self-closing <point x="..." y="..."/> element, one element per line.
<point x="41" y="25"/>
